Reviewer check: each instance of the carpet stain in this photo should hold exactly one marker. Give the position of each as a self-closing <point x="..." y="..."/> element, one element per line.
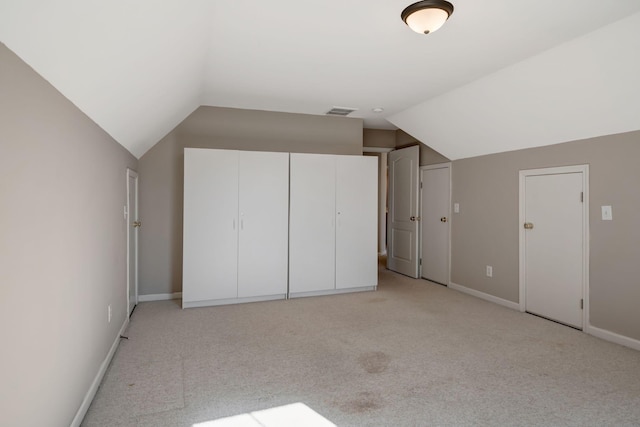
<point x="374" y="362"/>
<point x="366" y="401"/>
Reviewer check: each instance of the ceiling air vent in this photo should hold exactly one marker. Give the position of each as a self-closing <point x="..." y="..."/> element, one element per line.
<point x="340" y="111"/>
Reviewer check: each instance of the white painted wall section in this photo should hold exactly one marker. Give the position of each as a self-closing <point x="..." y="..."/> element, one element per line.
<point x="584" y="88"/>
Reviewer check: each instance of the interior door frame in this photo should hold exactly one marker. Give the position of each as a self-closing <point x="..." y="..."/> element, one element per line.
<point x="447" y="166"/>
<point x="383" y="180"/>
<point x="584" y="170"/>
<point x="132" y="174"/>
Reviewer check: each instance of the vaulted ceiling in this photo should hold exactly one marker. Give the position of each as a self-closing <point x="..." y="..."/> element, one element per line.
<point x="138" y="68"/>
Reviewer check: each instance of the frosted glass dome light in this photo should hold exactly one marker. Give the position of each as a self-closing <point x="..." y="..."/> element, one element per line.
<point x="425" y="17"/>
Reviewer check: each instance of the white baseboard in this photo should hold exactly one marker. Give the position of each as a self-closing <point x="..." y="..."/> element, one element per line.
<point x="613" y="337"/>
<point x="215" y="302"/>
<point x="332" y="292"/>
<point x="88" y="398"/>
<point x="591" y="330"/>
<point x="159" y="297"/>
<point x="506" y="303"/>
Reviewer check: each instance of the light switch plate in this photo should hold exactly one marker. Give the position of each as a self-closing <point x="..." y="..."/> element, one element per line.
<point x="456" y="208"/>
<point x="607" y="213"/>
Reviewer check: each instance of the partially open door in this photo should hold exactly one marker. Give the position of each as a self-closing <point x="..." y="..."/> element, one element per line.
<point x="402" y="220"/>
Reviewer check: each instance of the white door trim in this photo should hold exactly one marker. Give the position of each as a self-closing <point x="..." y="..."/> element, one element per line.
<point x="448" y="166"/>
<point x="132" y="174"/>
<point x="383" y="177"/>
<point x="584" y="170"/>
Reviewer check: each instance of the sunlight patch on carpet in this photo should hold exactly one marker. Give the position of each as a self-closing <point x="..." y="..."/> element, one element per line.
<point x="294" y="415"/>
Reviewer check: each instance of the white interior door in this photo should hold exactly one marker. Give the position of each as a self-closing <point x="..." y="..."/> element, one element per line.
<point x="264" y="221"/>
<point x="356" y="221"/>
<point x="554" y="215"/>
<point x="402" y="226"/>
<point x="435" y="224"/>
<point x="210" y="249"/>
<point x="312" y="222"/>
<point x="133" y="224"/>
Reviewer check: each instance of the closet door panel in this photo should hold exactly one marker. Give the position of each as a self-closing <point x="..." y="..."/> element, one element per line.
<point x="357" y="221"/>
<point x="312" y="223"/>
<point x="264" y="222"/>
<point x="210" y="234"/>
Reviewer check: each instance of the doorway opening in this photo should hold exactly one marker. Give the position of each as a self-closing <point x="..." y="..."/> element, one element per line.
<point x="133" y="225"/>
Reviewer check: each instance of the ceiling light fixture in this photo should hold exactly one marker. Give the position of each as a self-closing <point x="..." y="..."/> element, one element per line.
<point x="427" y="16"/>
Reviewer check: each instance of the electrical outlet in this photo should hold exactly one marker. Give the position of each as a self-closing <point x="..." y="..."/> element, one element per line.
<point x="489" y="271"/>
<point x="109" y="313"/>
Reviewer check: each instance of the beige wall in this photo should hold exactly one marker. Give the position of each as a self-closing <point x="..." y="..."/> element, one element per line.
<point x="485" y="232"/>
<point x="62" y="248"/>
<point x="230" y="128"/>
<point x="161" y="172"/>
<point x="379" y="138"/>
<point x="161" y="214"/>
<point x="428" y="156"/>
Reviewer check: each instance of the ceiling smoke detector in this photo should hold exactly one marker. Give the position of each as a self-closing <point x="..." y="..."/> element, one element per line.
<point x="340" y="111"/>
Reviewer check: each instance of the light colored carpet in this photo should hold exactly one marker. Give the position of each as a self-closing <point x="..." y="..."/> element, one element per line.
<point x="410" y="354"/>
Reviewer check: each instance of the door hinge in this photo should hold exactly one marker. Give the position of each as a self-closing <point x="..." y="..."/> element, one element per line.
<point x="582" y="304"/>
<point x="421" y="262"/>
<point x="421" y="185"/>
<point x="582" y="196"/>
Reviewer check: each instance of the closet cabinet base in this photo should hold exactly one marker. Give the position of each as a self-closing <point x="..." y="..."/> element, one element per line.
<point x="212" y="302"/>
<point x="332" y="292"/>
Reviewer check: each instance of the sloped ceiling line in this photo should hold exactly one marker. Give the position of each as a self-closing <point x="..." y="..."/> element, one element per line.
<point x="139" y="68"/>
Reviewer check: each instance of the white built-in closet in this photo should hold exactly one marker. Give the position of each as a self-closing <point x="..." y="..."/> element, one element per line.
<point x="236" y="218"/>
<point x="333" y="224"/>
<point x="265" y="225"/>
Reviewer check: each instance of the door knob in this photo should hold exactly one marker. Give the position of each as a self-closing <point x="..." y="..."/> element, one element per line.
<point x="137" y="223"/>
<point x="413" y="218"/>
<point x="443" y="219"/>
<point x="528" y="226"/>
